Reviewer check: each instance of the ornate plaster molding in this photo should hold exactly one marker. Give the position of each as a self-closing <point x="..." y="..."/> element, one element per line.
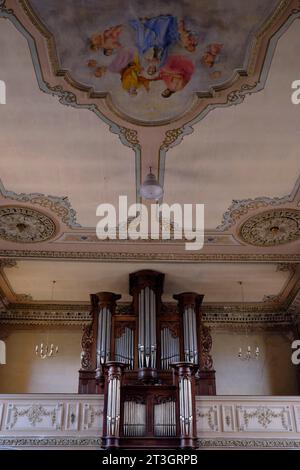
<point x="257" y="63"/>
<point x="294" y="307"/>
<point x="175" y="257"/>
<point x="287" y="267"/>
<point x="25" y="225"/>
<point x="70" y="314"/>
<point x="60" y="442"/>
<point x="7" y="263"/>
<point x="64" y="89"/>
<point x="60" y="206"/>
<point x="255" y="443"/>
<point x="240" y="207"/>
<point x="271" y="228"/>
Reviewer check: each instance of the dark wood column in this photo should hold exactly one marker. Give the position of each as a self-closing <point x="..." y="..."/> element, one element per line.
<point x="95" y="352"/>
<point x="196" y="333"/>
<point x="186" y="405"/>
<point x="112" y="403"/>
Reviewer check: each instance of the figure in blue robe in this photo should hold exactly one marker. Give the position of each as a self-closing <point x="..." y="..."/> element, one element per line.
<point x="153" y="39"/>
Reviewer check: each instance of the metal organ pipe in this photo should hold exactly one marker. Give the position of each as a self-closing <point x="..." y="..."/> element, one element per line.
<point x="114" y="373"/>
<point x="165" y="419"/>
<point x="104" y="336"/>
<point x="189" y="306"/>
<point x="134" y="419"/>
<point x="147" y="328"/>
<point x="124" y="347"/>
<point x="170" y="348"/>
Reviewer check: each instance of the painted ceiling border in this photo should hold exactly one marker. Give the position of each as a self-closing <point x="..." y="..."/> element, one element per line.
<point x="127" y="136"/>
<point x="174" y="137"/>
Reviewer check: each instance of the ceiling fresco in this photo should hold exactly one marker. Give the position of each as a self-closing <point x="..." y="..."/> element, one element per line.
<point x="152" y="58"/>
<point x="151" y="73"/>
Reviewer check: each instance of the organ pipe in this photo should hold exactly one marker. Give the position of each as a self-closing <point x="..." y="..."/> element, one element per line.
<point x="189" y="306"/>
<point x="124" y="348"/>
<point x="146" y="289"/>
<point x="170" y="348"/>
<point x="165" y="419"/>
<point x="114" y="372"/>
<point x="147" y="329"/>
<point x="186" y="395"/>
<point x="134" y="421"/>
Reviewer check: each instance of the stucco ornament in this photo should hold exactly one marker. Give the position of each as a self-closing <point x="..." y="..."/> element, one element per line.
<point x="25" y="225"/>
<point x="270" y="228"/>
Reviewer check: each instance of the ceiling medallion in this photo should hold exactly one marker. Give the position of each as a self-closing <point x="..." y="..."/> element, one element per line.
<point x="271" y="228"/>
<point x="25" y="225"/>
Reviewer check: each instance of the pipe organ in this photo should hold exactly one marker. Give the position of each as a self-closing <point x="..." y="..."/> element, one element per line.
<point x="150" y="360"/>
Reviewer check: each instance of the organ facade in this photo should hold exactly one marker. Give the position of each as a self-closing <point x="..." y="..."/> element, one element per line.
<point x="149" y="361"/>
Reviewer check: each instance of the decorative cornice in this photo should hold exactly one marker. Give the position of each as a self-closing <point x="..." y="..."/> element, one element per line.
<point x="64" y="314"/>
<point x="148" y="257"/>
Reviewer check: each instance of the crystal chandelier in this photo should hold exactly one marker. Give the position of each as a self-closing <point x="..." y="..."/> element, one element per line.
<point x="248" y="353"/>
<point x="46" y="350"/>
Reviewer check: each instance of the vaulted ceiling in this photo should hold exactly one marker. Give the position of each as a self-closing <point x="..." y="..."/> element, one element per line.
<point x="64" y="149"/>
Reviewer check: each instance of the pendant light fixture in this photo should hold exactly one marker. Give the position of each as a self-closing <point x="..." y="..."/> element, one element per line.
<point x="151" y="189"/>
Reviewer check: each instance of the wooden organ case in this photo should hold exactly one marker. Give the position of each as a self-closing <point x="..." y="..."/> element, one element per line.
<point x="149" y="360"/>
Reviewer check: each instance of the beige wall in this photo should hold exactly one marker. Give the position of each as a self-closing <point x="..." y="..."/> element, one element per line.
<point x="24" y="372"/>
<point x="272" y="374"/>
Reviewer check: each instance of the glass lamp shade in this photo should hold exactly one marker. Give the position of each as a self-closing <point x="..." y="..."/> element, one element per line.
<point x="151" y="189"/>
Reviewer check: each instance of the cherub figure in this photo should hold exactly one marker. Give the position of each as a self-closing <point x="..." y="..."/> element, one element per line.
<point x="98" y="70"/>
<point x="188" y="39"/>
<point x="209" y="57"/>
<point x="108" y="40"/>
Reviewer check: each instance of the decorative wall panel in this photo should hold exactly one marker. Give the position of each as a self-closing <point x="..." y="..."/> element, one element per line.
<point x="70" y="422"/>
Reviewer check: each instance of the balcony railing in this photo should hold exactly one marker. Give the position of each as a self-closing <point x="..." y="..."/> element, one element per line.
<point x="75" y="421"/>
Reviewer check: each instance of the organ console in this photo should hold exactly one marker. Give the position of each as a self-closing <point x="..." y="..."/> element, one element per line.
<point x="149" y="360"/>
